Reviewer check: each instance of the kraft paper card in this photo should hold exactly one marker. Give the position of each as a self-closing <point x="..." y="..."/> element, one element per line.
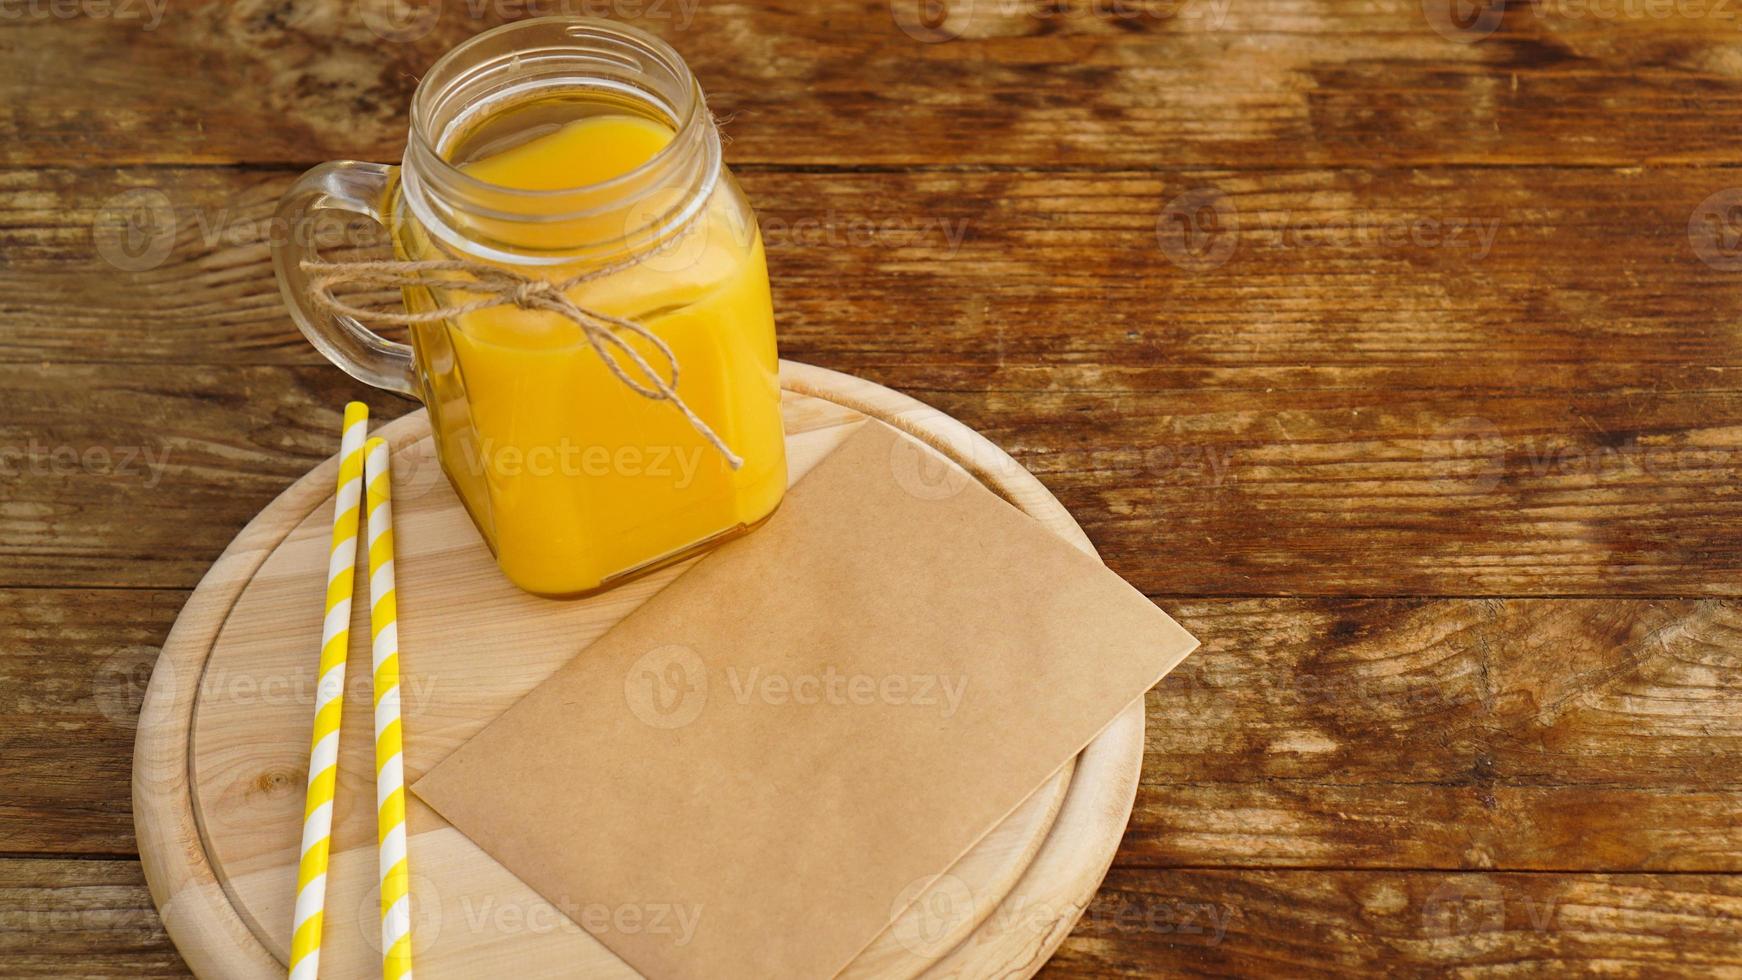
<point x="772" y="750"/>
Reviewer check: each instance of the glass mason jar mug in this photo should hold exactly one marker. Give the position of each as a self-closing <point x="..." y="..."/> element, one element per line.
<point x="581" y="252"/>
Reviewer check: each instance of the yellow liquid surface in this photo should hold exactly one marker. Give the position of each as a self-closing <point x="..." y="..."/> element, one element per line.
<point x="574" y="478"/>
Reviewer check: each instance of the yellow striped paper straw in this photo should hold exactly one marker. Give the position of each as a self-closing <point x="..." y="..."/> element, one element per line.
<point x="389" y="735"/>
<point x="323" y="765"/>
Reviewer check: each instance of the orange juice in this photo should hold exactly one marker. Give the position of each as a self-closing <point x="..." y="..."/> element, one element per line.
<point x="575" y="480"/>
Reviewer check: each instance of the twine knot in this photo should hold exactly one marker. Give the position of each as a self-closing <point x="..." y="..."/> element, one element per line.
<point x="498" y="286"/>
<point x="525" y="292"/>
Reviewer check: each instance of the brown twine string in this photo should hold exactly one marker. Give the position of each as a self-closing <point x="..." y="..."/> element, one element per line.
<point x="499" y="286"/>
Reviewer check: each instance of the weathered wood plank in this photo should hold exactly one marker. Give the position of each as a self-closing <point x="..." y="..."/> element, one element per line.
<point x="1338" y="923"/>
<point x="1557" y="416"/>
<point x="1603" y="692"/>
<point x="81" y="919"/>
<point x="1531" y="734"/>
<point x="1522" y="734"/>
<point x="159" y="467"/>
<point x="73" y="670"/>
<point x="1512" y="281"/>
<point x="1385" y="493"/>
<point x="61" y="918"/>
<point x="1410" y="371"/>
<point x="1186" y="492"/>
<point x="1136" y="83"/>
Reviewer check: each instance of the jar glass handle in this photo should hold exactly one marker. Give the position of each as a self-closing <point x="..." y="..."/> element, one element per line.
<point x="357" y="188"/>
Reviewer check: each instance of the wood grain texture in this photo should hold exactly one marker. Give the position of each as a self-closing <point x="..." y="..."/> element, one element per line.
<point x="1203" y="492"/>
<point x="1027" y="226"/>
<point x="80" y="919"/>
<point x="1335" y="924"/>
<point x="94" y="919"/>
<point x="1469" y="280"/>
<point x="1323" y="413"/>
<point x="75" y="665"/>
<point x="1580" y="734"/>
<point x="1129" y="84"/>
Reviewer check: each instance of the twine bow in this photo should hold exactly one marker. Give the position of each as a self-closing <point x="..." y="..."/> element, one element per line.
<point x="498" y="286"/>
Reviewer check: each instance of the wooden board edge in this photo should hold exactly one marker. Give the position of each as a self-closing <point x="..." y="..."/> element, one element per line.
<point x="1031" y="922"/>
<point x="200" y="913"/>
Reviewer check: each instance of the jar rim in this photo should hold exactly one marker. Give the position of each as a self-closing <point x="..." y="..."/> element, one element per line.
<point x="496" y="66"/>
<point x="693" y="106"/>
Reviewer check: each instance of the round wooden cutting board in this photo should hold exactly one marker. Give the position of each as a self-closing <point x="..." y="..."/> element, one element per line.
<point x="221" y="757"/>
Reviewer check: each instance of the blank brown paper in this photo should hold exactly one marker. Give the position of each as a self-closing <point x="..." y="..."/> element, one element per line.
<point x="774" y="748"/>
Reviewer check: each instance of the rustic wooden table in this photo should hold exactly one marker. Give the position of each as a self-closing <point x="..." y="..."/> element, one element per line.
<point x="1385" y="344"/>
